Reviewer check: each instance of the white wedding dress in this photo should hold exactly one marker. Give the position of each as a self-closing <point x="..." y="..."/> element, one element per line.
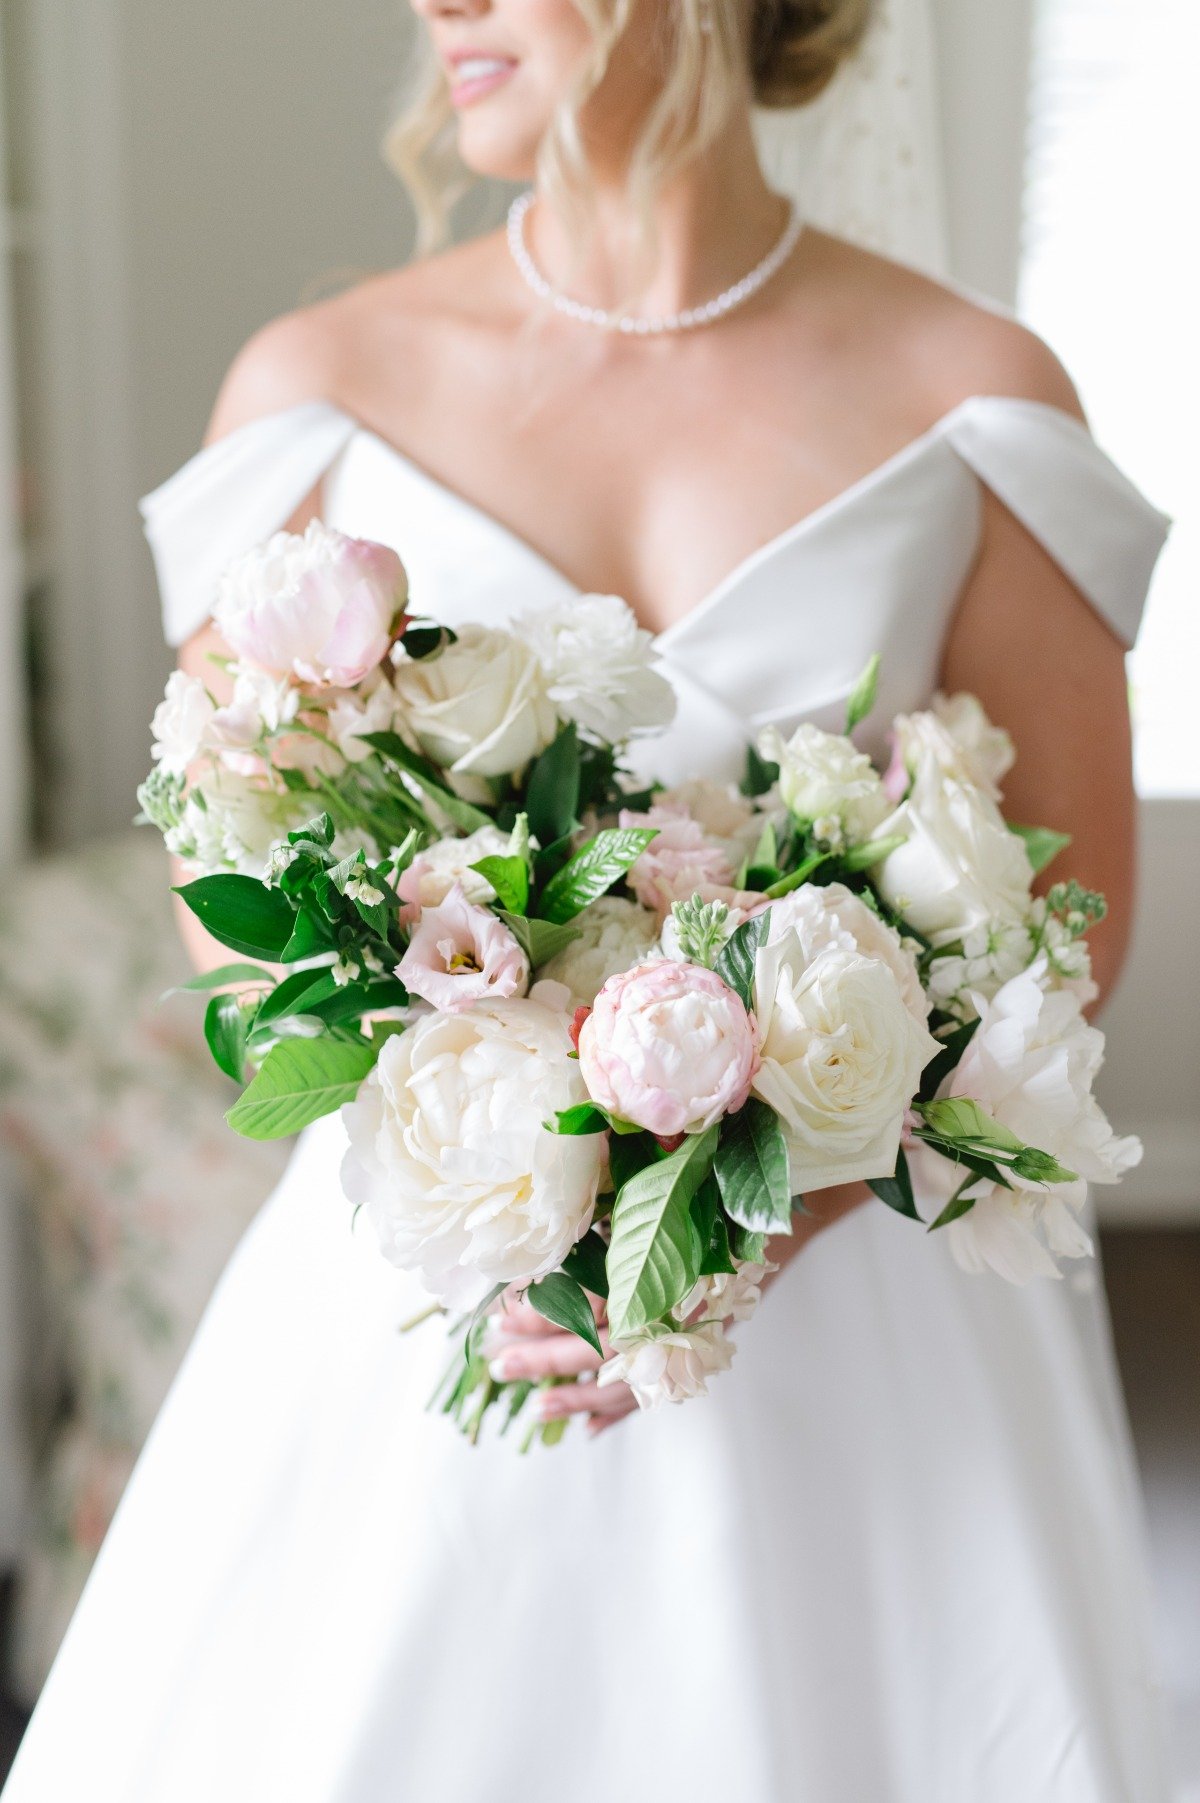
<point x="894" y="1558"/>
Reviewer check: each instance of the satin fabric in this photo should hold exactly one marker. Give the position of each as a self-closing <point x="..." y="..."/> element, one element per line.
<point x="896" y="1555"/>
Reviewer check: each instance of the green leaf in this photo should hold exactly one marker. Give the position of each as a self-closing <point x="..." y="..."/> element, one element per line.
<point x="593" y="870"/>
<point x="943" y="1062"/>
<point x="1042" y="844"/>
<point x="718" y="1256"/>
<point x="956" y="1207"/>
<point x="975" y="1161"/>
<point x="424" y="641"/>
<point x="760" y="774"/>
<point x="628" y="1156"/>
<point x="897" y="1191"/>
<point x="766" y="852"/>
<point x="800" y="875"/>
<point x="319" y="830"/>
<point x="748" y="1248"/>
<point x="242" y="913"/>
<point x="862" y="857"/>
<point x="959" y="1120"/>
<point x="585" y="1262"/>
<point x="862" y="696"/>
<point x="584" y="1118"/>
<point x="300" y="1080"/>
<point x="428" y="779"/>
<point x="540" y="940"/>
<point x="310" y="936"/>
<point x="225" y="1028"/>
<point x="303" y="986"/>
<point x="509" y="877"/>
<point x="552" y="791"/>
<point x="224" y="975"/>
<point x="654" y="1258"/>
<point x="558" y="1298"/>
<point x="751" y="1167"/>
<point x="735" y="965"/>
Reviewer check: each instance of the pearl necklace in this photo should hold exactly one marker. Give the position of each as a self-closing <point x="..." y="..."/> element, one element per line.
<point x="638" y="324"/>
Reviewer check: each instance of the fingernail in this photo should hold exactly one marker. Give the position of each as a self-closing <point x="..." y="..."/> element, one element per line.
<point x="508" y="1365"/>
<point x="550" y="1408"/>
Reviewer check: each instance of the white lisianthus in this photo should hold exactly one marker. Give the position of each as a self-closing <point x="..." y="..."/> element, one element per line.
<point x="832" y="916"/>
<point x="450" y="1155"/>
<point x="824" y="777"/>
<point x="1030" y="1065"/>
<point x="599" y="666"/>
<point x="480" y="706"/>
<point x="728" y="1295"/>
<point x="434" y="872"/>
<point x="841" y="1057"/>
<point x="233" y="824"/>
<point x="669" y="1366"/>
<point x="959" y="868"/>
<point x="320" y="607"/>
<point x="181" y="724"/>
<point x="372" y="707"/>
<point x="613" y="934"/>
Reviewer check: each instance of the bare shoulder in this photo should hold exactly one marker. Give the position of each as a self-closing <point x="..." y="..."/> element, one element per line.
<point x="369" y="349"/>
<point x="949" y="344"/>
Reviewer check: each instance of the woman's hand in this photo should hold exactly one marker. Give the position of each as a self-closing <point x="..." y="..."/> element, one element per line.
<point x="521" y="1344"/>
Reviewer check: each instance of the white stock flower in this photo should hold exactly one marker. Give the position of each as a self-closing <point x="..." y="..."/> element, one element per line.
<point x="181" y="723"/>
<point x="1030" y="1065"/>
<point x="959" y="868"/>
<point x="450" y="1155"/>
<point x="841" y="1057"/>
<point x="613" y="934"/>
<point x="990" y="957"/>
<point x="233" y="824"/>
<point x="434" y="872"/>
<point x="833" y="916"/>
<point x="669" y="1366"/>
<point x="480" y="706"/>
<point x="599" y="666"/>
<point x="318" y="606"/>
<point x="822" y="776"/>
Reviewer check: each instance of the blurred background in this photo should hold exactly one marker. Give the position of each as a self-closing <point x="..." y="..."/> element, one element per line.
<point x="171" y="178"/>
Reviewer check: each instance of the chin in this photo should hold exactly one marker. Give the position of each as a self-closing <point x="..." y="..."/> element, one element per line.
<point x="505" y="151"/>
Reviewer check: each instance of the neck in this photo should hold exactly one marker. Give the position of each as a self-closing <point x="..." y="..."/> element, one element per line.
<point x="710" y="225"/>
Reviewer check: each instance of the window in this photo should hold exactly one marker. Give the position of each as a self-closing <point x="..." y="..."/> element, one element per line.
<point x="1108" y="278"/>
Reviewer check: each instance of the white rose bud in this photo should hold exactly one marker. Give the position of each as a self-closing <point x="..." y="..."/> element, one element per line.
<point x="823" y="777"/>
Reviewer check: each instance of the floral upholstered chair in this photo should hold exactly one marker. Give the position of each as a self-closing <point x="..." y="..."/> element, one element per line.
<point x="124" y="1190"/>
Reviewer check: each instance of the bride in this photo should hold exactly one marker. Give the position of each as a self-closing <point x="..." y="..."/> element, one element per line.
<point x="909" y="1567"/>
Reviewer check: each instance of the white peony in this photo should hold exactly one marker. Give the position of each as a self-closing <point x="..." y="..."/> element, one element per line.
<point x="841" y="1058"/>
<point x="480" y="707"/>
<point x="599" y="666"/>
<point x="669" y="1366"/>
<point x="1031" y="1065"/>
<point x="451" y="1157"/>
<point x="823" y="777"/>
<point x="833" y="916"/>
<point x="434" y="872"/>
<point x="320" y="606"/>
<point x="959" y="867"/>
<point x="613" y="934"/>
<point x="181" y="723"/>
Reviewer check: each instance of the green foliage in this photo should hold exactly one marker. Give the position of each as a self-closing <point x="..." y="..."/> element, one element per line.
<point x="428" y="779"/>
<point x="540" y="940"/>
<point x="560" y="1299"/>
<point x="897" y="1190"/>
<point x="735" y="964"/>
<point x="593" y="870"/>
<point x="862" y="696"/>
<point x="655" y="1255"/>
<point x="226" y="1025"/>
<point x="751" y="1168"/>
<point x="552" y="791"/>
<point x="586" y="1263"/>
<point x="509" y="877"/>
<point x="242" y="913"/>
<point x="760" y="773"/>
<point x="584" y="1118"/>
<point x="300" y="1080"/>
<point x="1042" y="844"/>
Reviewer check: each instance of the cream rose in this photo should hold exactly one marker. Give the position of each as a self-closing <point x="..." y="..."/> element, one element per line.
<point x="833" y="916"/>
<point x="451" y="1158"/>
<point x="822" y="777"/>
<point x="480" y="707"/>
<point x="959" y="867"/>
<point x="841" y="1057"/>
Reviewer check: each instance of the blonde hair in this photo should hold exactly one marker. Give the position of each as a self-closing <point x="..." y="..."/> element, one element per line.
<point x="792" y="50"/>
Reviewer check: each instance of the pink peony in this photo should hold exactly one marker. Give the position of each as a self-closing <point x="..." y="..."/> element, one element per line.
<point x="320" y="608"/>
<point x="460" y="954"/>
<point x="682" y="861"/>
<point x="668" y="1046"/>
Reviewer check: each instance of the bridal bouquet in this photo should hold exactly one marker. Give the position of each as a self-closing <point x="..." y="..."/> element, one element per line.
<point x="596" y="1045"/>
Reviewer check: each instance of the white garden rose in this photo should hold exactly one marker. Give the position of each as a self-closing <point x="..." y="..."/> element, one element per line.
<point x="613" y="934"/>
<point x="599" y="666"/>
<point x="181" y="724"/>
<point x="822" y="777"/>
<point x="480" y="706"/>
<point x="669" y="1366"/>
<point x="841" y="1057"/>
<point x="434" y="872"/>
<point x="450" y="1155"/>
<point x="959" y="867"/>
<point x="1031" y="1065"/>
<point x="833" y="916"/>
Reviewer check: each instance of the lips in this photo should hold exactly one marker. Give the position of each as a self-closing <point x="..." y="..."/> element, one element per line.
<point x="474" y="74"/>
